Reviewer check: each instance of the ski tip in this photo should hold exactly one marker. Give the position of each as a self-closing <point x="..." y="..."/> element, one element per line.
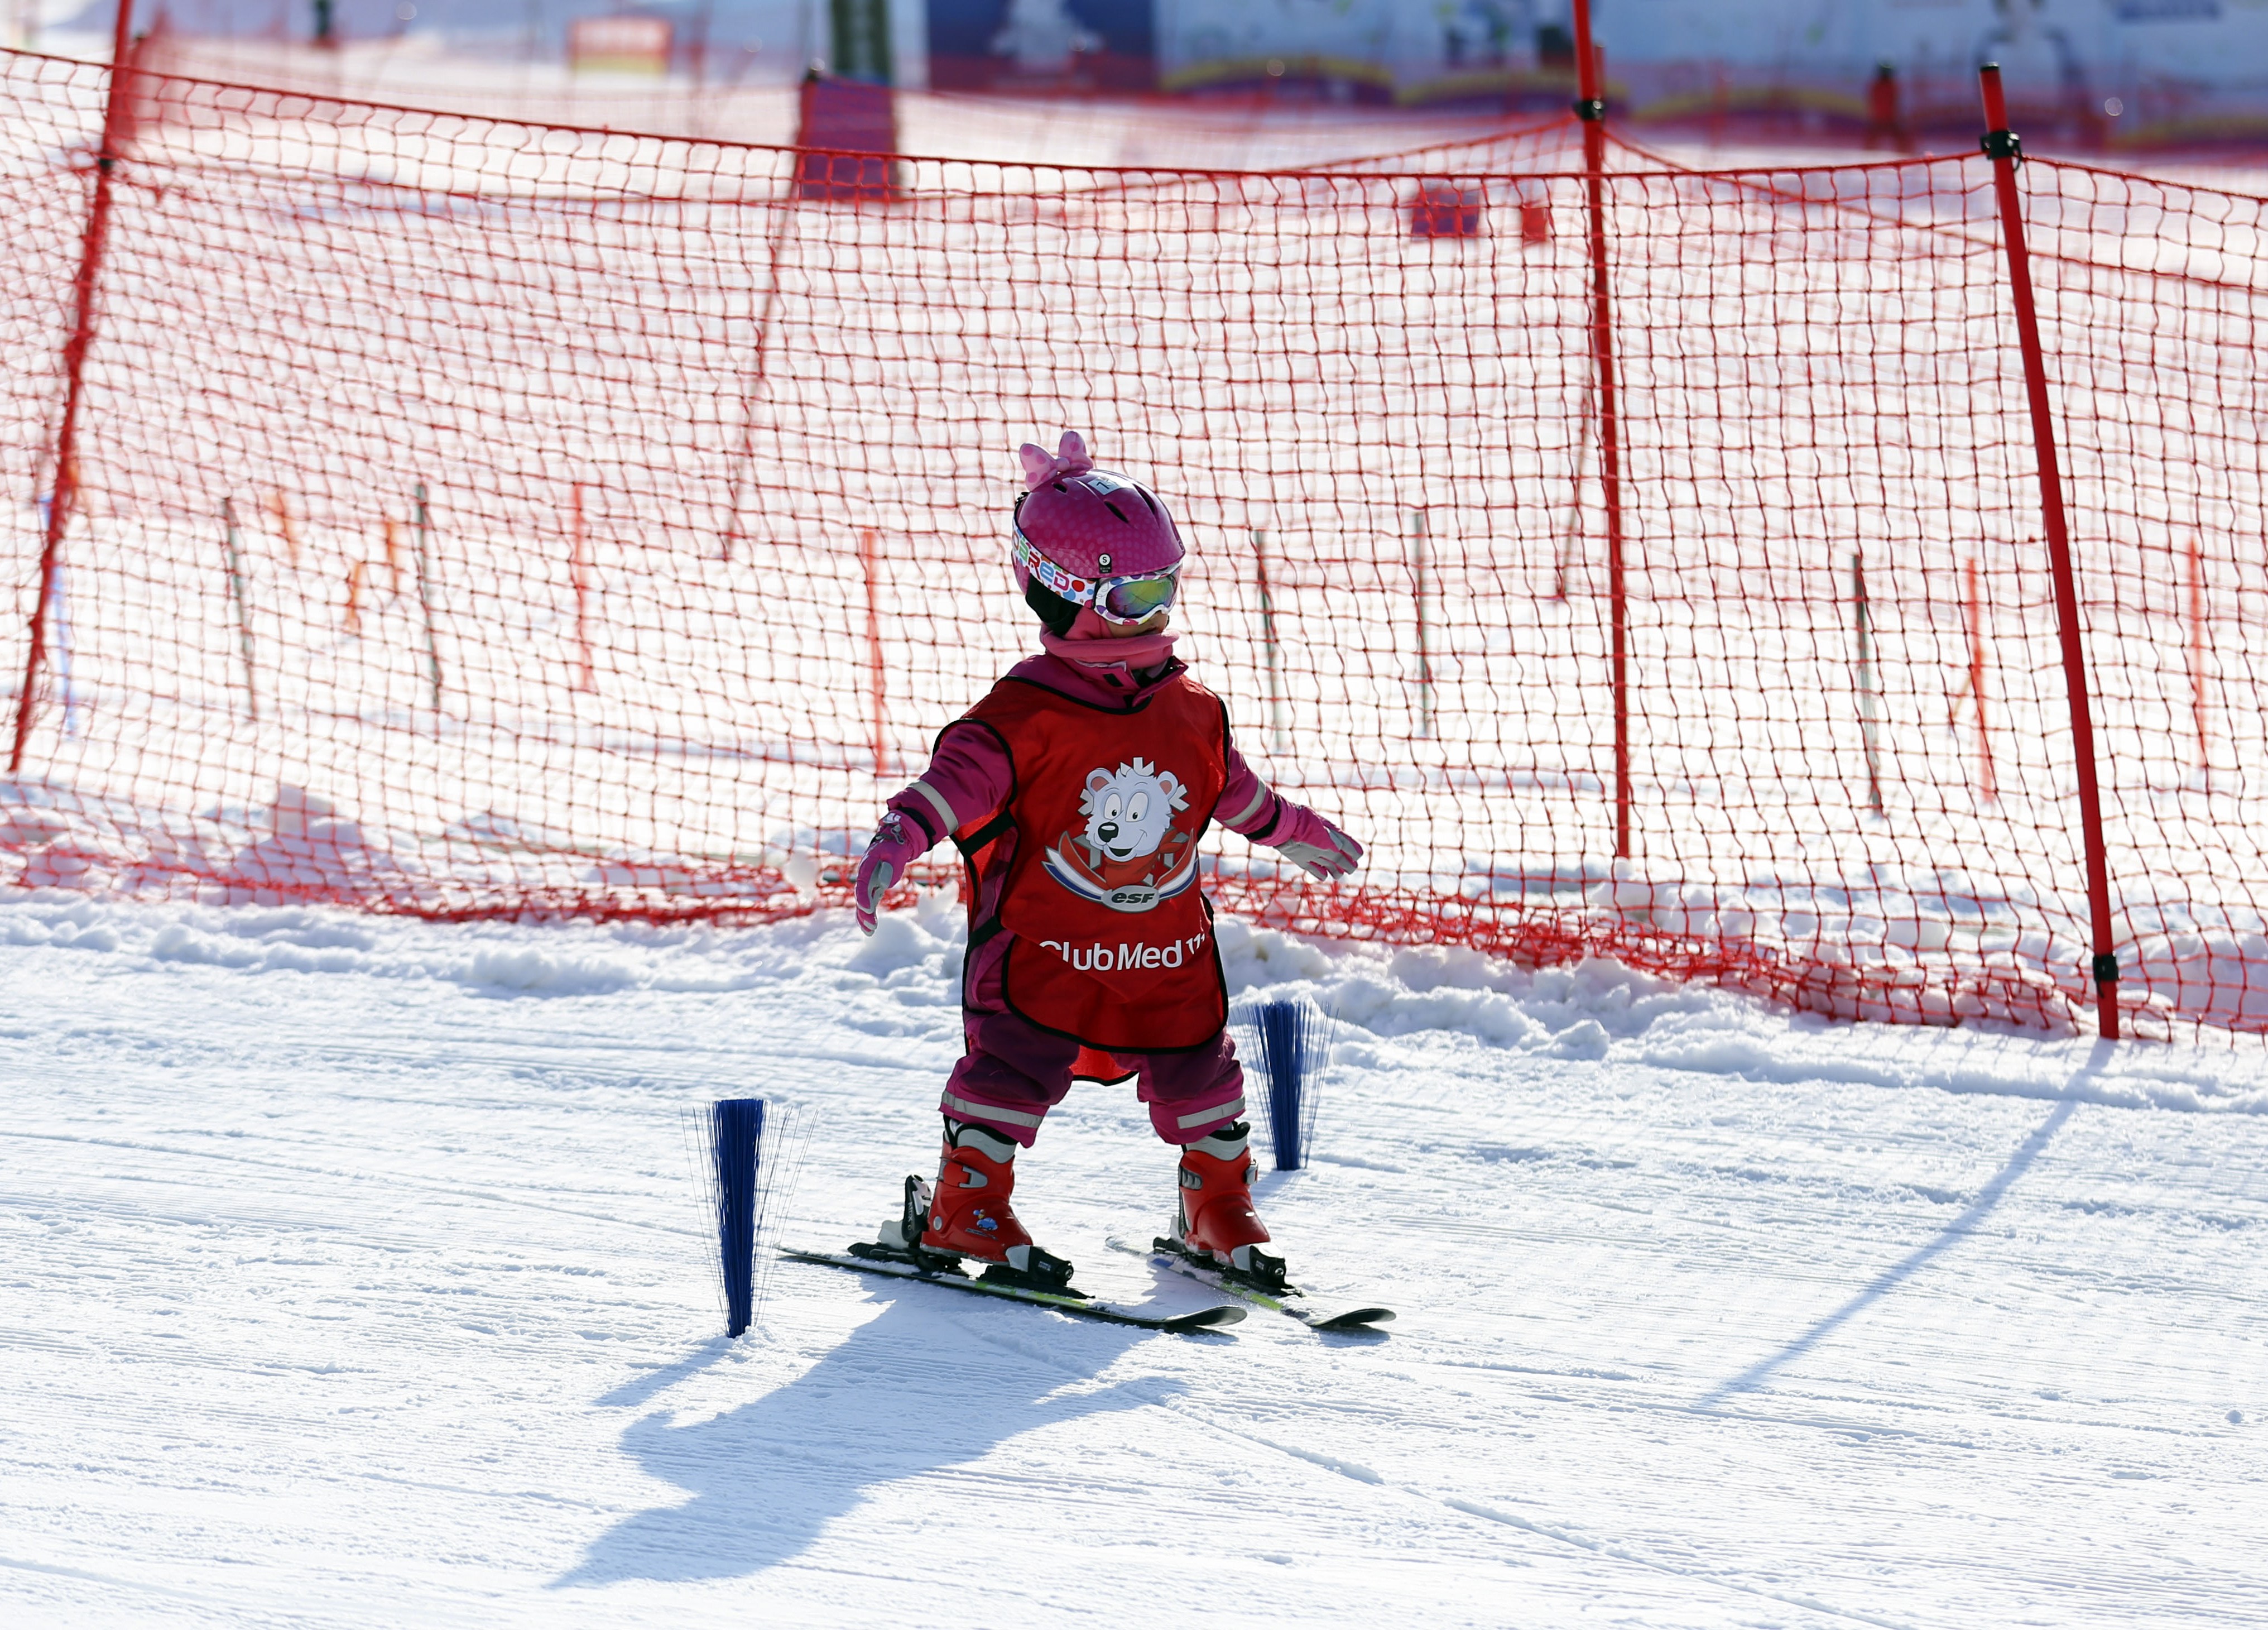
<point x="1360" y="1318"/>
<point x="1207" y="1318"/>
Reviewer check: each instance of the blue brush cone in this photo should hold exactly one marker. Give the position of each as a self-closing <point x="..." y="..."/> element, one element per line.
<point x="736" y="1129"/>
<point x="1283" y="1030"/>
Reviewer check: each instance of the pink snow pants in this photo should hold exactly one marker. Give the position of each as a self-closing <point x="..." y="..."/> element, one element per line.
<point x="1014" y="1072"/>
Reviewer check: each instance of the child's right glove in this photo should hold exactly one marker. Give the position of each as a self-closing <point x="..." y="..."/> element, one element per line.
<point x="894" y="843"/>
<point x="1313" y="844"/>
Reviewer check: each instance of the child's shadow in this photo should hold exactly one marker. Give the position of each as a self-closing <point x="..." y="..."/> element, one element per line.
<point x="909" y="1392"/>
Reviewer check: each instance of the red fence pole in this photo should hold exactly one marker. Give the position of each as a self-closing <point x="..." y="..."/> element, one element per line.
<point x="753" y="381"/>
<point x="2005" y="152"/>
<point x="239" y="592"/>
<point x="2197" y="650"/>
<point x="1869" y="732"/>
<point x="1419" y="573"/>
<point x="870" y="558"/>
<point x="578" y="572"/>
<point x="1972" y="623"/>
<point x="116" y="117"/>
<point x="1591" y="108"/>
<point x="1268" y="644"/>
<point x="424" y="528"/>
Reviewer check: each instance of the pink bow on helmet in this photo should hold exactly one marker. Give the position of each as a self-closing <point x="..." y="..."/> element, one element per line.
<point x="1070" y="460"/>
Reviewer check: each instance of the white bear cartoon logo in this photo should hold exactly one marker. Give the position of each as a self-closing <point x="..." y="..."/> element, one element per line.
<point x="1130" y="809"/>
<point x="1130" y="857"/>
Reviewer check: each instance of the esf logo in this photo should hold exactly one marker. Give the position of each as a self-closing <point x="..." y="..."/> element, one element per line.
<point x="1126" y="955"/>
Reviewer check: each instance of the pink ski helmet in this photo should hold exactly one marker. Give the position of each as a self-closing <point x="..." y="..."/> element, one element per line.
<point x="1098" y="546"/>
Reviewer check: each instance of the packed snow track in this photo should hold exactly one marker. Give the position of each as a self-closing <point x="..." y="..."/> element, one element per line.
<point x="355" y="1274"/>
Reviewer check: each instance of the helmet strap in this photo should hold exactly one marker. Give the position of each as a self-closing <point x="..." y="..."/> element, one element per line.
<point x="1055" y="614"/>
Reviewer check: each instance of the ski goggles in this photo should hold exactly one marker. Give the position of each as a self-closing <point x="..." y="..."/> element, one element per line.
<point x="1123" y="600"/>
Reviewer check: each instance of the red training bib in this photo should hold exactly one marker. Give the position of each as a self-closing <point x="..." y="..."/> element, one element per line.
<point x="1113" y="940"/>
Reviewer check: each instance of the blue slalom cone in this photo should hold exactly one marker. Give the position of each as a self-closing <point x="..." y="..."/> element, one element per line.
<point x="736" y="1130"/>
<point x="1292" y="1041"/>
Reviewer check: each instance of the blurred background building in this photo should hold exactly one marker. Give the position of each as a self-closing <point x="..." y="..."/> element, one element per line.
<point x="1882" y="72"/>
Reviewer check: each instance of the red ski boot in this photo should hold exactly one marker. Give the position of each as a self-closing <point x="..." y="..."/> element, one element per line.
<point x="1215" y="1222"/>
<point x="969" y="1213"/>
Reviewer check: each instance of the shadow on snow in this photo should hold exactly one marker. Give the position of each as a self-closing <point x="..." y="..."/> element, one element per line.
<point x="908" y="1392"/>
<point x="1988" y="1198"/>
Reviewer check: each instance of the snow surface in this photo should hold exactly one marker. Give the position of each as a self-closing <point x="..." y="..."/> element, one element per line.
<point x="356" y="1275"/>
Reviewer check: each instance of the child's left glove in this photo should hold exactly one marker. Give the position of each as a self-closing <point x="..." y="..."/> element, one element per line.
<point x="1313" y="844"/>
<point x="894" y="845"/>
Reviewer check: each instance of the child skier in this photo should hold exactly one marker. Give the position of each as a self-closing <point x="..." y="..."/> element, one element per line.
<point x="1077" y="792"/>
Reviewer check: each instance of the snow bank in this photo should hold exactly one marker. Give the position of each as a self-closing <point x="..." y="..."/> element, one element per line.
<point x="1387" y="1003"/>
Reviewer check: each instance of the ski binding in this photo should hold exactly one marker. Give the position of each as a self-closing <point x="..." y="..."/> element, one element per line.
<point x="1045" y="1280"/>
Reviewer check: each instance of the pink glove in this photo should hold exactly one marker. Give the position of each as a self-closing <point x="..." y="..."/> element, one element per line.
<point x="889" y="852"/>
<point x="1313" y="844"/>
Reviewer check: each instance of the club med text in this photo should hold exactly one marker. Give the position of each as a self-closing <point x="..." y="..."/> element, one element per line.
<point x="1101" y="958"/>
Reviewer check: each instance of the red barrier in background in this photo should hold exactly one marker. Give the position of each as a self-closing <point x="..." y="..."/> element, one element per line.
<point x="1591" y="110"/>
<point x="1576" y="704"/>
<point x="117" y="108"/>
<point x="2001" y="147"/>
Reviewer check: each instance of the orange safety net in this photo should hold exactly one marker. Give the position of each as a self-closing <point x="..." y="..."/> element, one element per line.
<point x="476" y="518"/>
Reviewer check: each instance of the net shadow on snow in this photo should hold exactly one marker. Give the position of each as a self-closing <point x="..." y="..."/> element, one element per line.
<point x="906" y="1394"/>
<point x="1961" y="1228"/>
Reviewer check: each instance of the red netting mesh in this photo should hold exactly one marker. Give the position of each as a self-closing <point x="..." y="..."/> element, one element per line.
<point x="482" y="518"/>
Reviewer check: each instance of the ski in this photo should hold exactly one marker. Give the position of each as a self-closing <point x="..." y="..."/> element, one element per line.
<point x="1165" y="1254"/>
<point x="857" y="1261"/>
